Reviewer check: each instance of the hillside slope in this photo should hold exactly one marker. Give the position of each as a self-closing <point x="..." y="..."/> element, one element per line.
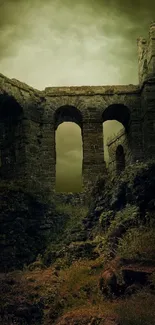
<point x="90" y="265"/>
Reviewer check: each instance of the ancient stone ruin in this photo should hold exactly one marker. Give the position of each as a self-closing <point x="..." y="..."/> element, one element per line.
<point x="29" y="119"/>
<point x="119" y="152"/>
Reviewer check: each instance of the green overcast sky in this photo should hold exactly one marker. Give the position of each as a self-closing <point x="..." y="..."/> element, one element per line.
<point x="65" y="43"/>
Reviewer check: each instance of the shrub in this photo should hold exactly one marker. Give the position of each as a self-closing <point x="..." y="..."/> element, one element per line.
<point x="125" y="218"/>
<point x="138" y="243"/>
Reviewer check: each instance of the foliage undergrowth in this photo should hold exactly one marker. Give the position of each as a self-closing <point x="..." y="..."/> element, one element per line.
<point x="138" y="243"/>
<point x="75" y="213"/>
<point x="138" y="310"/>
<point x="74" y="288"/>
<point x="69" y="231"/>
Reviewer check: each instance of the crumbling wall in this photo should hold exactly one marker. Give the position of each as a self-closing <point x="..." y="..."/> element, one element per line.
<point x="146" y="56"/>
<point x="34" y="163"/>
<point x="43" y="111"/>
<point x="113" y="143"/>
<point x="148" y="98"/>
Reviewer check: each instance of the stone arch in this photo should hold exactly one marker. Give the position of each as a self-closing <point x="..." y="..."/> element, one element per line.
<point x="10" y="134"/>
<point x="120" y="159"/>
<point x="67" y="113"/>
<point x="119" y="112"/>
<point x="9" y="107"/>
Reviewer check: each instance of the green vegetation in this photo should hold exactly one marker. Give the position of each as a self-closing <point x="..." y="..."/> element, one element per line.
<point x="75" y="214"/>
<point x="138" y="244"/>
<point x="68" y="229"/>
<point x="87" y="252"/>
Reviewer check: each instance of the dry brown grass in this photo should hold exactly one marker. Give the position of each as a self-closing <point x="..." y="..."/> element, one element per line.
<point x="138" y="310"/>
<point x="72" y="295"/>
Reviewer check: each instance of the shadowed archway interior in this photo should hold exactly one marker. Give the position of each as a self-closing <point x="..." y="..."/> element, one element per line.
<point x="10" y="121"/>
<point x="118" y="112"/>
<point x="120" y="159"/>
<point x="67" y="113"/>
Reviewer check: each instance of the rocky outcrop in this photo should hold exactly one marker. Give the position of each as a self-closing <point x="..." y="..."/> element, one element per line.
<point x="124" y="278"/>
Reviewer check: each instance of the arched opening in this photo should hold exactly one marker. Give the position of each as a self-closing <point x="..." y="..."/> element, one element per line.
<point x="116" y="119"/>
<point x="69" y="149"/>
<point x="120" y="159"/>
<point x="10" y="137"/>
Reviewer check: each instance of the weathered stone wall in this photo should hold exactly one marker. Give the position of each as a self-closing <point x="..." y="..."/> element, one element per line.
<point x="148" y="97"/>
<point x="148" y="119"/>
<point x="93" y="154"/>
<point x="42" y="112"/>
<point x="12" y="147"/>
<point x="29" y="157"/>
<point x="113" y="143"/>
<point x="146" y="56"/>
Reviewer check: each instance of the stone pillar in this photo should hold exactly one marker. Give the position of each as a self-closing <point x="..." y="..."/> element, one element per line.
<point x="134" y="141"/>
<point x="151" y="51"/>
<point x="148" y="99"/>
<point x="93" y="152"/>
<point x="142" y="59"/>
<point x="146" y="56"/>
<point x="148" y="119"/>
<point x="40" y="157"/>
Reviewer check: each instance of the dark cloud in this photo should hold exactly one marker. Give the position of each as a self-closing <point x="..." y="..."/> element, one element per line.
<point x="17" y="18"/>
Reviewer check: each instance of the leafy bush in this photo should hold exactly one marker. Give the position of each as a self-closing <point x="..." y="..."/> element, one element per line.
<point x="138" y="243"/>
<point x="75" y="213"/>
<point x="106" y="218"/>
<point x="152" y="279"/>
<point x="126" y="217"/>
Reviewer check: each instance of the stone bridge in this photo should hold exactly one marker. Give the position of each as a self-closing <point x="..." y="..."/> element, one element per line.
<point x="29" y="119"/>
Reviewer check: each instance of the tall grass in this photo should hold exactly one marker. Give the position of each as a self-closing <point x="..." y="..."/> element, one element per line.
<point x="138" y="310"/>
<point x="138" y="243"/>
